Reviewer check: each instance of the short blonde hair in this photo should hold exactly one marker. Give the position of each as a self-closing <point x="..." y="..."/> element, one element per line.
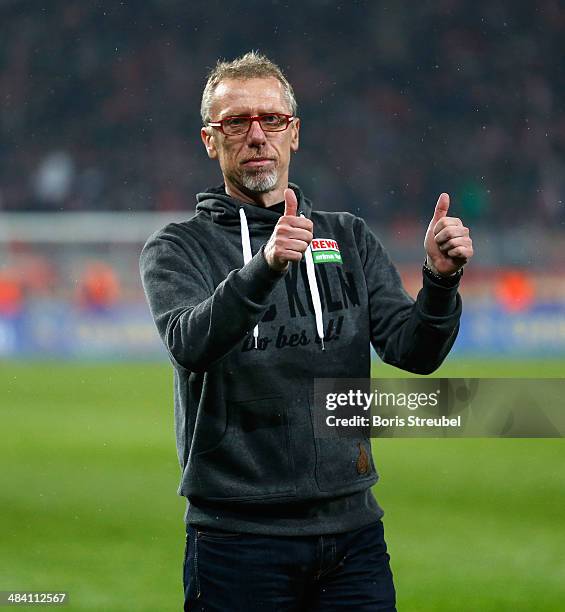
<point x="252" y="65"/>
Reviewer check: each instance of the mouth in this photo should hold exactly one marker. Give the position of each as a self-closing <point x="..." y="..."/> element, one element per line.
<point x="258" y="162"/>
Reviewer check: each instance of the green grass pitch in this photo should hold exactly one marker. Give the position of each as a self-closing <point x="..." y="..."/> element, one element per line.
<point x="88" y="498"/>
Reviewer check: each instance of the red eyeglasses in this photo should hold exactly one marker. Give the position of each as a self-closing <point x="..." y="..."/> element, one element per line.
<point x="241" y="124"/>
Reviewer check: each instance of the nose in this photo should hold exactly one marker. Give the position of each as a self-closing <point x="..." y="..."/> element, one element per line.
<point x="256" y="135"/>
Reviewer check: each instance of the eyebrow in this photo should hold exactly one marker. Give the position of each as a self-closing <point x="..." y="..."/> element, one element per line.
<point x="238" y="113"/>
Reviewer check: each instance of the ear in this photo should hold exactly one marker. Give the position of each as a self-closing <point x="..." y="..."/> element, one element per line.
<point x="206" y="133"/>
<point x="295" y="127"/>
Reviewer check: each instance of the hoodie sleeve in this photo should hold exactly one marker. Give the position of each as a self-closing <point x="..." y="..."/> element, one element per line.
<point x="412" y="335"/>
<point x="198" y="323"/>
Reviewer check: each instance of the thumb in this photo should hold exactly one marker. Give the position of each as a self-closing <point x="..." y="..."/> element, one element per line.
<point x="441" y="208"/>
<point x="290" y="203"/>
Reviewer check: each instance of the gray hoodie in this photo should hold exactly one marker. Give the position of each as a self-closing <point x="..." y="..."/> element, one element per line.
<point x="245" y="344"/>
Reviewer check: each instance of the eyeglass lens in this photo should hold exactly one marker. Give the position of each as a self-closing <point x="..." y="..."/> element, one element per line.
<point x="269" y="123"/>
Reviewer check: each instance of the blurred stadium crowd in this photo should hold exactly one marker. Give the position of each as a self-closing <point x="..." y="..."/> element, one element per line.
<point x="100" y="103"/>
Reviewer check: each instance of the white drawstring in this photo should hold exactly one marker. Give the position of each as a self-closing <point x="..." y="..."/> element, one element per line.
<point x="314" y="293"/>
<point x="246" y="248"/>
<point x="310" y="272"/>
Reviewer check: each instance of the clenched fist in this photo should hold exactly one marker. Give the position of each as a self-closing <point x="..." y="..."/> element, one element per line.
<point x="291" y="236"/>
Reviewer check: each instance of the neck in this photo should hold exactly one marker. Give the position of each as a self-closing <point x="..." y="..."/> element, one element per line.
<point x="262" y="199"/>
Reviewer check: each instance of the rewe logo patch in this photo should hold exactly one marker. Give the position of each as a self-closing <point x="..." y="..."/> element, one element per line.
<point x="325" y="250"/>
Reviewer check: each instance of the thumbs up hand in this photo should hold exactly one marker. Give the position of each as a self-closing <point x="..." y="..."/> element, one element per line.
<point x="447" y="243"/>
<point x="291" y="236"/>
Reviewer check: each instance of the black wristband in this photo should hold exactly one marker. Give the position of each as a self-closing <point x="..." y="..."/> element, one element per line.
<point x="444" y="281"/>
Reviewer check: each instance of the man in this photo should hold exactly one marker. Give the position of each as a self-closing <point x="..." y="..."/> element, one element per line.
<point x="254" y="297"/>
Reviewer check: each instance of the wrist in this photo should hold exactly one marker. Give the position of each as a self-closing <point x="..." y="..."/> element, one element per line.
<point x="431" y="268"/>
<point x="272" y="263"/>
<point x="449" y="280"/>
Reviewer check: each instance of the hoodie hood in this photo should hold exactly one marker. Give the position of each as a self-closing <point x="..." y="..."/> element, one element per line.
<point x="225" y="210"/>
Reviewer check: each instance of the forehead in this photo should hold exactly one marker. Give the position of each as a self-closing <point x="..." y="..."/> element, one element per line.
<point x="248" y="97"/>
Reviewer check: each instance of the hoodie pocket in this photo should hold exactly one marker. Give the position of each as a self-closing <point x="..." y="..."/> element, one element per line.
<point x="344" y="461"/>
<point x="253" y="458"/>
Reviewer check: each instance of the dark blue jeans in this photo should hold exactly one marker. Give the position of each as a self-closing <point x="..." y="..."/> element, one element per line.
<point x="233" y="572"/>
